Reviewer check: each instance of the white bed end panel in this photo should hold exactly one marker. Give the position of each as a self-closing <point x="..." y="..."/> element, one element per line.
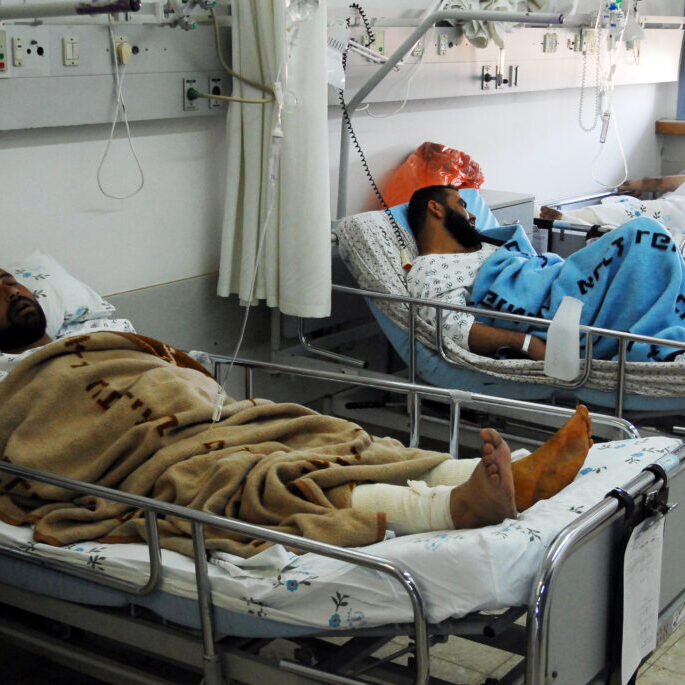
<point x="189" y="315"/>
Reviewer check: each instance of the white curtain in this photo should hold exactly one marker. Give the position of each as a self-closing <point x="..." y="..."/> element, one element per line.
<point x="294" y="271"/>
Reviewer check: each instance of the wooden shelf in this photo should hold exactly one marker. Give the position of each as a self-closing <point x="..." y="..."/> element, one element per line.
<point x="673" y="127"/>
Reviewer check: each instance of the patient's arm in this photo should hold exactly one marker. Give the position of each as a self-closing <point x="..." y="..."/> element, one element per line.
<point x="659" y="184"/>
<point x="488" y="339"/>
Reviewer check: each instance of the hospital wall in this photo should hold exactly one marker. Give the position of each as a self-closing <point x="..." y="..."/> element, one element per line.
<point x="159" y="248"/>
<point x="169" y="231"/>
<point x="527" y="142"/>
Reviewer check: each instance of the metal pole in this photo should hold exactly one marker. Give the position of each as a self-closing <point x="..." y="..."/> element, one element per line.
<point x="413" y="399"/>
<point x="343" y="166"/>
<point x="326" y="354"/>
<point x="212" y="663"/>
<point x="455" y="411"/>
<point x="154" y="550"/>
<point x="621" y="377"/>
<point x="249" y="383"/>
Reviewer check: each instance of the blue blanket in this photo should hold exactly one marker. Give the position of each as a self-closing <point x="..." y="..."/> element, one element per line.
<point x="631" y="280"/>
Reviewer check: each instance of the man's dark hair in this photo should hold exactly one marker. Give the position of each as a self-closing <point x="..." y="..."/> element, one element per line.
<point x="418" y="209"/>
<point x="418" y="205"/>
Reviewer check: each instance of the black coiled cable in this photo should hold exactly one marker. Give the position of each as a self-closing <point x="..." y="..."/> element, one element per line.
<point x="370" y="37"/>
<point x="399" y="232"/>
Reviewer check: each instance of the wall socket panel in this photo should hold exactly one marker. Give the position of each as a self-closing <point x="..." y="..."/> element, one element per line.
<point x="3" y="52"/>
<point x="215" y="86"/>
<point x="188" y="104"/>
<point x="26" y="52"/>
<point x="17" y="51"/>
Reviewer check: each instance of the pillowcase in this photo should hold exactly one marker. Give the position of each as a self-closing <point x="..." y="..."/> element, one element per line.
<point x="64" y="299"/>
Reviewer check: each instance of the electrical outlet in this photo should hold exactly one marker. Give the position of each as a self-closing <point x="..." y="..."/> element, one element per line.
<point x="71" y="51"/>
<point x="443" y="43"/>
<point x="188" y="104"/>
<point x="417" y="50"/>
<point x="587" y="38"/>
<point x="17" y="51"/>
<point x="215" y="86"/>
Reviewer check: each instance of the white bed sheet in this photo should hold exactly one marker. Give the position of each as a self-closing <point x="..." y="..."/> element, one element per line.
<point x="457" y="571"/>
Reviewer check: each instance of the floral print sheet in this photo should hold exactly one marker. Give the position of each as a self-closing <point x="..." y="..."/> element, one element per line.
<point x="457" y="571"/>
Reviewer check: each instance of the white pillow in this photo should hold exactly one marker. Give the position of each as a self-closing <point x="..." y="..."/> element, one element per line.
<point x="64" y="299"/>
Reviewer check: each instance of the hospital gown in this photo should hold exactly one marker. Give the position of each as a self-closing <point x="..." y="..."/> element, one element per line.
<point x="449" y="278"/>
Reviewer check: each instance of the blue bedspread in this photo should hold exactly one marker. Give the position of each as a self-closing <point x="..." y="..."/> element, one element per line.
<point x="631" y="280"/>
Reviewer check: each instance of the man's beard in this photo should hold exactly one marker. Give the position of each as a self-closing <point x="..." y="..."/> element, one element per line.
<point x="460" y="228"/>
<point x="26" y="326"/>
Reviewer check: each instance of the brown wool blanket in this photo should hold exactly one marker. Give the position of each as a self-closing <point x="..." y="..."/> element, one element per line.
<point x="131" y="413"/>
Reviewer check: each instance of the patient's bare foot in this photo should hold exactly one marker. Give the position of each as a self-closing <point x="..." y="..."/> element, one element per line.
<point x="555" y="464"/>
<point x="549" y="213"/>
<point x="488" y="495"/>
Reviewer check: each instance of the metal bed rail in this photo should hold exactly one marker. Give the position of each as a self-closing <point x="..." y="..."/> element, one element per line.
<point x="199" y="519"/>
<point x="153" y="508"/>
<point x="566" y="542"/>
<point x="587" y="197"/>
<point x="414" y="392"/>
<point x="590" y="332"/>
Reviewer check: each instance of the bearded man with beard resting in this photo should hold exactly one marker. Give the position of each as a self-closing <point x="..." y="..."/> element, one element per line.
<point x="451" y="251"/>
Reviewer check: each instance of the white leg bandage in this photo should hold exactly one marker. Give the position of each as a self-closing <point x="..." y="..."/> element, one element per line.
<point x="413" y="509"/>
<point x="458" y="471"/>
<point x="451" y="472"/>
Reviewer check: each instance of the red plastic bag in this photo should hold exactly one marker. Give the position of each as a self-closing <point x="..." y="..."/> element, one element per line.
<point x="432" y="164"/>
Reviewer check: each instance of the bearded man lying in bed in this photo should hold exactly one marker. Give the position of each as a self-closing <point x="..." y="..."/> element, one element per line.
<point x="128" y="412"/>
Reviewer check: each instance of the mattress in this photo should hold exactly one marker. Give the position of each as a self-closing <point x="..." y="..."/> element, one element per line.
<point x="279" y="593"/>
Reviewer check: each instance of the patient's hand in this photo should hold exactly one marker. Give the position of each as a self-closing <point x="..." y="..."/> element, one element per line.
<point x="637" y="186"/>
<point x="536" y="349"/>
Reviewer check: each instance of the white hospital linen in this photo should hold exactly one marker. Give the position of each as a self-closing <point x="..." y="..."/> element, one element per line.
<point x="615" y="210"/>
<point x="458" y="571"/>
<point x="450" y="278"/>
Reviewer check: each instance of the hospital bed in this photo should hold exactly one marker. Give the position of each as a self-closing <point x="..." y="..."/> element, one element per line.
<point x="371" y="251"/>
<point x="117" y="611"/>
<point x="565" y="238"/>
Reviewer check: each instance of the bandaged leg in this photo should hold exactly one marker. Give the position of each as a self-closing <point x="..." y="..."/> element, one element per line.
<point x="458" y="471"/>
<point x="413" y="509"/>
<point x="486" y="498"/>
<point x="451" y="472"/>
